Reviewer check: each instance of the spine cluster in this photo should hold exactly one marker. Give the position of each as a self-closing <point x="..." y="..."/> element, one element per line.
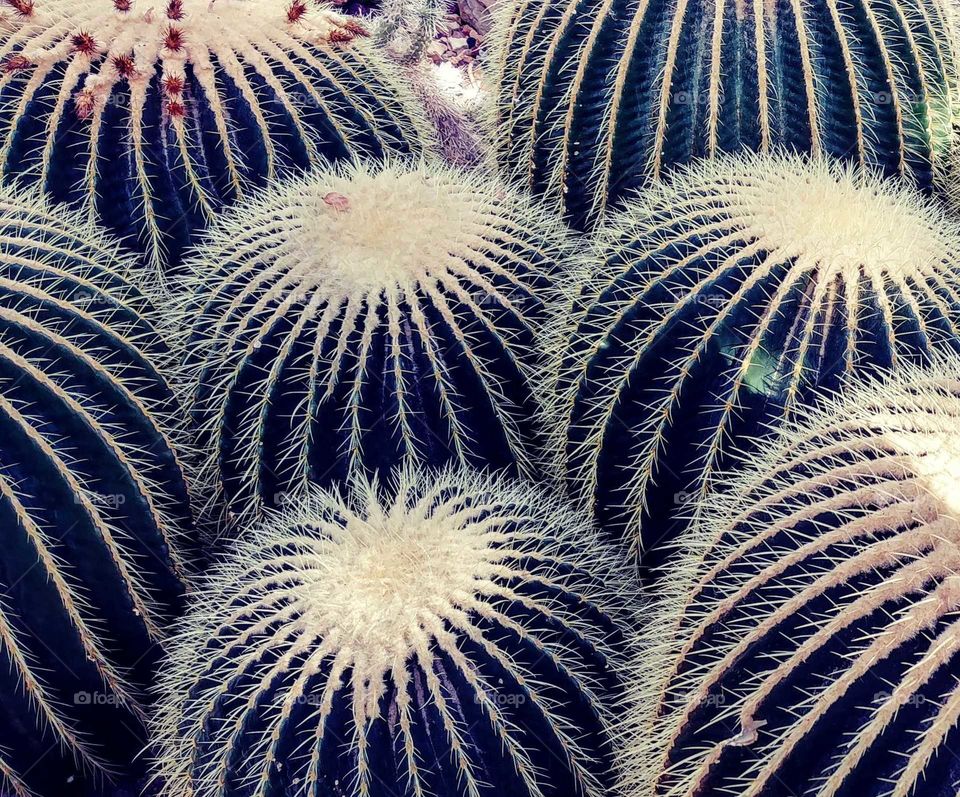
<point x="364" y="317"/>
<point x="382" y="327"/>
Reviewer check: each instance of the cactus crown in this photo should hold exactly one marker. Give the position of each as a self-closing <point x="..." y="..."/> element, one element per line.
<point x="444" y="633"/>
<point x="365" y="315"/>
<point x="355" y="232"/>
<point x="595" y="102"/>
<point x="151" y="115"/>
<point x="726" y="299"/>
<point x="93" y="504"/>
<point x="809" y="636"/>
<point x="828" y="217"/>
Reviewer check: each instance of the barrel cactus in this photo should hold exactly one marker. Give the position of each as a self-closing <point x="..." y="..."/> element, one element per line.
<point x="364" y="316"/>
<point x="721" y="303"/>
<point x="450" y="634"/>
<point x="93" y="506"/>
<point x="152" y="115"/>
<point x="597" y="99"/>
<point x="809" y="643"/>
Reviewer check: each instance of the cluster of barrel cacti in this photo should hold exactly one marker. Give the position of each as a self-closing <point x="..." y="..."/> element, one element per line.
<point x="620" y="460"/>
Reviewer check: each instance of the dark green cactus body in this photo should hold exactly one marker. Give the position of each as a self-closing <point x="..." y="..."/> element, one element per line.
<point x="364" y="318"/>
<point x="811" y="645"/>
<point x="156" y="117"/>
<point x="723" y="303"/>
<point x="598" y="97"/>
<point x="93" y="504"/>
<point x="453" y="635"/>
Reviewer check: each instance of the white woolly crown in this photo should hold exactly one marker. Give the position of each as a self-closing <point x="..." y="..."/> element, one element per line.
<point x="364" y="596"/>
<point x="369" y="229"/>
<point x="869" y="481"/>
<point x="837" y="217"/>
<point x="831" y="217"/>
<point x="131" y="38"/>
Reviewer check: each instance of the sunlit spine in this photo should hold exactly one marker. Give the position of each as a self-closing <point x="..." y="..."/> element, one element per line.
<point x="715" y="307"/>
<point x="365" y="317"/>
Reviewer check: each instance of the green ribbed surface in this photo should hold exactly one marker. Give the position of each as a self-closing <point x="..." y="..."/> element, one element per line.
<point x="809" y="641"/>
<point x="596" y="97"/>
<point x="93" y="505"/>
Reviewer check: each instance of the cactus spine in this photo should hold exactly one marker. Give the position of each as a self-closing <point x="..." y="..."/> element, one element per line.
<point x="364" y="316"/>
<point x="93" y="505"/>
<point x="151" y="116"/>
<point x="597" y="99"/>
<point x="809" y="642"/>
<point x="725" y="301"/>
<point x="449" y="635"/>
